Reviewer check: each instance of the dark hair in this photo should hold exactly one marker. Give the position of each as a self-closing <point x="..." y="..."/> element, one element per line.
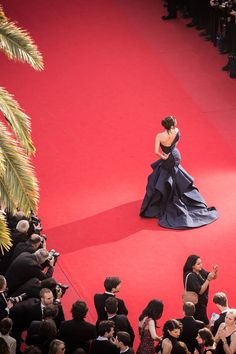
<point x="50" y="311"/>
<point x="189" y="308"/>
<point x="79" y="310"/>
<point x="220" y="299"/>
<point x="170" y="325"/>
<point x="105" y="326"/>
<point x="123" y="337"/>
<point x="190" y="262"/>
<point x="179" y="348"/>
<point x="168" y="122"/>
<point x="111" y="305"/>
<point x="79" y="351"/>
<point x="48" y="329"/>
<point x="32" y="350"/>
<point x="207" y="336"/>
<point x="111" y="282"/>
<point x="4" y="347"/>
<point x="6" y="325"/>
<point x="153" y="310"/>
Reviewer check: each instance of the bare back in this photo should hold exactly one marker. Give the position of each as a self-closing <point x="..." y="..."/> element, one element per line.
<point x="167" y="139"/>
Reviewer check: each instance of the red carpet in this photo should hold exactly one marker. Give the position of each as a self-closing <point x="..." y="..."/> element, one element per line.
<point x="113" y="69"/>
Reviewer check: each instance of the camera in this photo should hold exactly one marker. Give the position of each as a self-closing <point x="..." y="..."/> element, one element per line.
<point x="43" y="239"/>
<point x="16" y="299"/>
<point x="36" y="222"/>
<point x="53" y="255"/>
<point x="61" y="289"/>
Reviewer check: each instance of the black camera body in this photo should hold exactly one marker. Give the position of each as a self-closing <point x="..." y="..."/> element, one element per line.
<point x="53" y="255"/>
<point x="61" y="288"/>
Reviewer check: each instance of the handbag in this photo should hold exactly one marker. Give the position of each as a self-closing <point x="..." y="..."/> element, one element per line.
<point x="189" y="296"/>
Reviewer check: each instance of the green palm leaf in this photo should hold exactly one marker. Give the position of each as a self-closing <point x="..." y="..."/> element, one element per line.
<point x="17" y="119"/>
<point x="19" y="184"/>
<point x="17" y="44"/>
<point x="5" y="240"/>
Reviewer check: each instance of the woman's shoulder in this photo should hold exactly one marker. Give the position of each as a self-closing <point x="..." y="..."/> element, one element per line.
<point x="166" y="342"/>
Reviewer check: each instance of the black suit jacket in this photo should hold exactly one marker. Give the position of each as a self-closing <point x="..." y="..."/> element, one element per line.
<point x="76" y="334"/>
<point x="217" y="323"/>
<point x="23" y="268"/>
<point x="103" y="347"/>
<point x="99" y="302"/>
<point x="190" y="331"/>
<point x="3" y="305"/>
<point x="122" y="324"/>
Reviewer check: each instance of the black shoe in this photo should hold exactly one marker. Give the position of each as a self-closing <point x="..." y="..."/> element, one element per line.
<point x="203" y="34"/>
<point x="186" y="15"/>
<point x="199" y="27"/>
<point x="191" y="24"/>
<point x="226" y="67"/>
<point x="168" y="17"/>
<point x="208" y="38"/>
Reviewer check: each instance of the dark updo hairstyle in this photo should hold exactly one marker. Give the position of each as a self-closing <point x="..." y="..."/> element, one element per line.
<point x="206" y="335"/>
<point x="153" y="310"/>
<point x="190" y="262"/>
<point x="168" y="122"/>
<point x="170" y="325"/>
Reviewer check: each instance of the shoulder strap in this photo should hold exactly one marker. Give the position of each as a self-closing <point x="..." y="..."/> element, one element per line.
<point x="186" y="279"/>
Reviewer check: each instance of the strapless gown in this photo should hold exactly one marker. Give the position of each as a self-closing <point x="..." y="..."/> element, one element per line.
<point x="171" y="195"/>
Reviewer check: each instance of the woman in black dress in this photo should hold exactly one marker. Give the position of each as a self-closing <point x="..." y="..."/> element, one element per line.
<point x="197" y="279"/>
<point x="170" y="193"/>
<point x="226" y="335"/>
<point x="171" y="333"/>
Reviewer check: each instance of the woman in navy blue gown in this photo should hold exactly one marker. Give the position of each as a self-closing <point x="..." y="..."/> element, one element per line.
<point x="171" y="195"/>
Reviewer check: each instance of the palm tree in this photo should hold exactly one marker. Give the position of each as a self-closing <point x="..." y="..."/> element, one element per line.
<point x="18" y="183"/>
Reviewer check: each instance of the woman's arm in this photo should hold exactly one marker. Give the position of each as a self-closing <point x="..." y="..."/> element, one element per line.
<point x="207" y="282"/>
<point x="157" y="149"/>
<point x="166" y="346"/>
<point x="152" y="330"/>
<point x="229" y="349"/>
<point x="219" y="332"/>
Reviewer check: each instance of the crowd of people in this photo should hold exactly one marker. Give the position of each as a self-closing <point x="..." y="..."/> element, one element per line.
<point x="32" y="318"/>
<point x="216" y="19"/>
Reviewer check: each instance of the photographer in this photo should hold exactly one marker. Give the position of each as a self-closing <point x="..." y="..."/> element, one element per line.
<point x="5" y="304"/>
<point x="231" y="65"/>
<point x="33" y="244"/>
<point x="27" y="266"/>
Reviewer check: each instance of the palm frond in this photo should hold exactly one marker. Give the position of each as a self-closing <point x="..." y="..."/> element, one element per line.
<point x="2" y="163"/>
<point x="5" y="240"/>
<point x="2" y="15"/>
<point x="19" y="179"/>
<point x="17" y="119"/>
<point x="17" y="44"/>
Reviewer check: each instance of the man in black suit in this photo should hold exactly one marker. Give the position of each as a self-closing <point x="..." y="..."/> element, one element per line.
<point x="121" y="321"/>
<point x="5" y="304"/>
<point x="77" y="333"/>
<point x="27" y="266"/>
<point x="123" y="342"/>
<point x="104" y="344"/>
<point x="112" y="286"/>
<point x="18" y="235"/>
<point x="190" y="327"/>
<point x="221" y="302"/>
<point x="30" y="310"/>
<point x="30" y="246"/>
